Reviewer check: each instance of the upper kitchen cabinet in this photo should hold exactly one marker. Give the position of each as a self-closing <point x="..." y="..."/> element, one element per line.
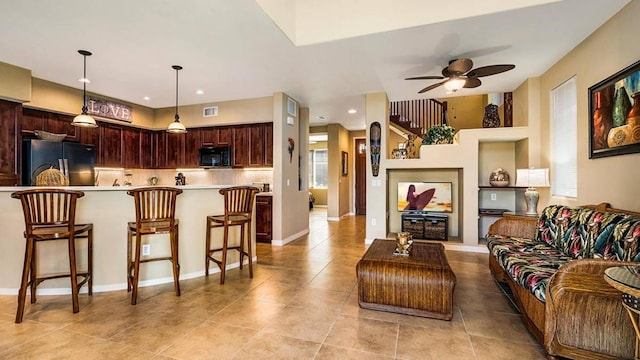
<point x="216" y="136"/>
<point x="132" y="151"/>
<point x="175" y="150"/>
<point x="146" y="149"/>
<point x="192" y="142"/>
<point x="111" y="153"/>
<point x="256" y="146"/>
<point x="92" y="136"/>
<point x="240" y="153"/>
<point x="268" y="144"/>
<point x="33" y="119"/>
<point x="10" y="114"/>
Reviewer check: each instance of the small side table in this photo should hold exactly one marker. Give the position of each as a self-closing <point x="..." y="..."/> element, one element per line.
<point x="627" y="280"/>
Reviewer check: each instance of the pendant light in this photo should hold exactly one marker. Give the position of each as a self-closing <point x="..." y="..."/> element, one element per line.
<point x="176" y="126"/>
<point x="84" y="120"/>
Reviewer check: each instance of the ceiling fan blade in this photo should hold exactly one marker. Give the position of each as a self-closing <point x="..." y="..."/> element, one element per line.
<point x="430" y="87"/>
<point x="459" y="66"/>
<point x="490" y="70"/>
<point x="435" y="77"/>
<point x="472" y="83"/>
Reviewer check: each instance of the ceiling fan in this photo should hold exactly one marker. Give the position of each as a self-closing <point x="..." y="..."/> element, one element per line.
<point x="459" y="74"/>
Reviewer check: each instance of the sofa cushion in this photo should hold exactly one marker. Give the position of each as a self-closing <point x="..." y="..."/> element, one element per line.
<point x="623" y="242"/>
<point x="578" y="232"/>
<point x="528" y="262"/>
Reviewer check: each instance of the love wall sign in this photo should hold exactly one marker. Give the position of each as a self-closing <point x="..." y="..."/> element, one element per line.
<point x="109" y="109"/>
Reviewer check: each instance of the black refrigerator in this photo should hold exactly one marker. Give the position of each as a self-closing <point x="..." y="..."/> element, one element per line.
<point x="76" y="160"/>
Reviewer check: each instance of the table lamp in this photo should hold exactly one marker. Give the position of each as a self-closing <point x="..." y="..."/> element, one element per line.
<point x="532" y="178"/>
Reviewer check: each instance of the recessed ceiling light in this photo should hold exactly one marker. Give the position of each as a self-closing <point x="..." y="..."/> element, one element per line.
<point x="199" y="92"/>
<point x="146" y="98"/>
<point x="352" y="111"/>
<point x="321" y="117"/>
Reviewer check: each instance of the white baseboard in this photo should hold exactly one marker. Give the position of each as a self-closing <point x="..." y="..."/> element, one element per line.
<point x="123" y="286"/>
<point x="290" y="238"/>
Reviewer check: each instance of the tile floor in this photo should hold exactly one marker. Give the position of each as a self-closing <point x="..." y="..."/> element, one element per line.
<point x="301" y="304"/>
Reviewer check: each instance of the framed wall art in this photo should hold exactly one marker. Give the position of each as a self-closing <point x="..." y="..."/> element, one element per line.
<point x="614" y="114"/>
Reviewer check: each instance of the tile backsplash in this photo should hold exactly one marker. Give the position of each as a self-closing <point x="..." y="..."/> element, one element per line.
<point x="141" y="177"/>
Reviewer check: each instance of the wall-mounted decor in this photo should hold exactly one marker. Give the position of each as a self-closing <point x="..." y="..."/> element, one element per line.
<point x="375" y="133"/>
<point x="614" y="114"/>
<point x="290" y="148"/>
<point x="109" y="109"/>
<point x="345" y="163"/>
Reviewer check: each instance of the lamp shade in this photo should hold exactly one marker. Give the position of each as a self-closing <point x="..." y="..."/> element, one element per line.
<point x="84" y="120"/>
<point x="532" y="178"/>
<point x="176" y="127"/>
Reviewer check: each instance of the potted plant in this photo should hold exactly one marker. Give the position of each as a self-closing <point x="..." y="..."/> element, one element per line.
<point x="439" y="134"/>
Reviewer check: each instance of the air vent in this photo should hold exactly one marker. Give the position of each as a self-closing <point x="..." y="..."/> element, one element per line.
<point x="210" y="111"/>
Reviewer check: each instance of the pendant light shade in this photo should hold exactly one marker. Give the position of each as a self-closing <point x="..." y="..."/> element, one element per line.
<point x="176" y="126"/>
<point x="84" y="119"/>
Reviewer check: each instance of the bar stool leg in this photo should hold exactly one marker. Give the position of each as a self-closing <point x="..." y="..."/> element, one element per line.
<point x="207" y="248"/>
<point x="129" y="269"/>
<point x="242" y="253"/>
<point x="249" y="255"/>
<point x="74" y="273"/>
<point x="33" y="275"/>
<point x="136" y="271"/>
<point x="173" y="235"/>
<point x="90" y="261"/>
<point x="26" y="268"/>
<point x="223" y="264"/>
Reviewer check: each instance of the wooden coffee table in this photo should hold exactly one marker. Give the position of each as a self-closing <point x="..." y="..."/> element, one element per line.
<point x="420" y="284"/>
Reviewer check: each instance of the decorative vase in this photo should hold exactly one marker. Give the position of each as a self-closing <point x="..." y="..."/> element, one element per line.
<point x="633" y="119"/>
<point x="499" y="178"/>
<point x="621" y="107"/>
<point x="491" y="118"/>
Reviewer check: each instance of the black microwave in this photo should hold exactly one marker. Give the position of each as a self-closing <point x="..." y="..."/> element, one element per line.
<point x="214" y="156"/>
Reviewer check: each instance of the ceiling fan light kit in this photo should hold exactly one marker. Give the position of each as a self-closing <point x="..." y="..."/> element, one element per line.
<point x="459" y="74"/>
<point x="84" y="119"/>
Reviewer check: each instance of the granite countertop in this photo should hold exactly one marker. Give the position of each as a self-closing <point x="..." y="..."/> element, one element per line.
<point x="112" y="188"/>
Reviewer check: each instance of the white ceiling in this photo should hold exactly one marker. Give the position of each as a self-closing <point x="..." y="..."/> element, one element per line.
<point x="231" y="49"/>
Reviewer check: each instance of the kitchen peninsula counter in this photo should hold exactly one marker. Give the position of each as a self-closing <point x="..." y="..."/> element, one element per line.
<point x="109" y="208"/>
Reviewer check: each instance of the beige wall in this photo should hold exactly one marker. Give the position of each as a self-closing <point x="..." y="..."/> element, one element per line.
<point x="338" y="191"/>
<point x="465" y="112"/>
<point x="377" y="109"/>
<point x="63" y="99"/>
<point x="244" y="111"/>
<point x="15" y="84"/>
<point x="608" y="50"/>
<point x="288" y="225"/>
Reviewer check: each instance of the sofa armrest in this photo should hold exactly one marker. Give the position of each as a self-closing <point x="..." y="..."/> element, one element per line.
<point x="515" y="226"/>
<point x="583" y="312"/>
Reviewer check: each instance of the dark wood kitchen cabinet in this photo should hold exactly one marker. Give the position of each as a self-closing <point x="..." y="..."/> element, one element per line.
<point x="216" y="136"/>
<point x="264" y="218"/>
<point x="33" y="119"/>
<point x="175" y="150"/>
<point x="192" y="142"/>
<point x="10" y="116"/>
<point x="239" y="151"/>
<point x="111" y="154"/>
<point x="131" y="148"/>
<point x="255" y="156"/>
<point x="147" y="150"/>
<point x="268" y="144"/>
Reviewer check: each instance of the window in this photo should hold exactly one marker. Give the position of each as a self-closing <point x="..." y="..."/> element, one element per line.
<point x="318" y="160"/>
<point x="564" y="140"/>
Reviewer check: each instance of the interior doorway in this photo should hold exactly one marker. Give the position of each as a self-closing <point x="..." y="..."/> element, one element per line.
<point x="360" y="176"/>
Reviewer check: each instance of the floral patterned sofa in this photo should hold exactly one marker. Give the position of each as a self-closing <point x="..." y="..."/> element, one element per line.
<point x="554" y="267"/>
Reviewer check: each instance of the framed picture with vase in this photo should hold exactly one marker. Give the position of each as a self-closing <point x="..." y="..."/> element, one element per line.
<point x="614" y="114"/>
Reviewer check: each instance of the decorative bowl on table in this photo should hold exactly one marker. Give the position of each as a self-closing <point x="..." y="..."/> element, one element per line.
<point x="47" y="136"/>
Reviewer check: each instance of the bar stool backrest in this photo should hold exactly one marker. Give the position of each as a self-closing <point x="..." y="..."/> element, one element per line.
<point x="48" y="207"/>
<point x="238" y="200"/>
<point x="155" y="203"/>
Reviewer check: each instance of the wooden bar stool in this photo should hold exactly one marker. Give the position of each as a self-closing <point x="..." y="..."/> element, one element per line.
<point x="238" y="208"/>
<point x="49" y="215"/>
<point x="155" y="214"/>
